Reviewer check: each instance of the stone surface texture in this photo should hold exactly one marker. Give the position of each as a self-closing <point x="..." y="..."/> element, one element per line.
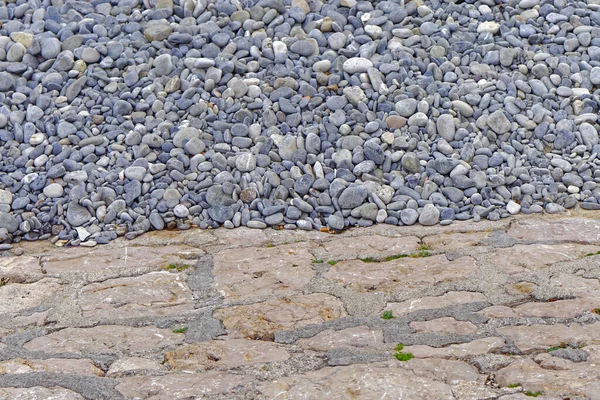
<point x="467" y="311"/>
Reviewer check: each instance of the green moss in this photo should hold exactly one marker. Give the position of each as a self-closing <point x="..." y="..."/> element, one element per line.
<point x="560" y="346"/>
<point x="387" y="314"/>
<point x="269" y="245"/>
<point x="369" y="260"/>
<point x="596" y="311"/>
<point x="395" y="257"/>
<point x="513" y="385"/>
<point x="532" y="394"/>
<point x="592" y="254"/>
<point x="317" y="261"/>
<point x="180" y="330"/>
<point x="177" y="267"/>
<point x="403" y="356"/>
<point x="332" y="262"/>
<point x="399" y="347"/>
<point x="420" y="254"/>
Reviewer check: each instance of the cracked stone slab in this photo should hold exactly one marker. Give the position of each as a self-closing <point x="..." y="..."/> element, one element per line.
<point x="98" y="264"/>
<point x="105" y="339"/>
<point x="557" y="309"/>
<point x="348" y="248"/>
<point x="535" y="257"/>
<point x="460" y="351"/>
<point x="261" y="320"/>
<point x="446" y="325"/>
<point x="568" y="380"/>
<point x="180" y="385"/>
<point x="434" y="302"/>
<point x="254" y="271"/>
<point x="361" y="381"/>
<point x="446" y="242"/>
<point x="399" y="275"/>
<point x="224" y="353"/>
<point x="541" y="337"/>
<point x="356" y="337"/>
<point x="20" y="269"/>
<point x="55" y="365"/>
<point x="133" y="365"/>
<point x="576" y="285"/>
<point x="244" y="237"/>
<point x="576" y="230"/>
<point x="24" y="296"/>
<point x="156" y="294"/>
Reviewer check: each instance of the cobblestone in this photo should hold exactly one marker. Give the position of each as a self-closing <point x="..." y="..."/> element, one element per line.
<point x="465" y="311"/>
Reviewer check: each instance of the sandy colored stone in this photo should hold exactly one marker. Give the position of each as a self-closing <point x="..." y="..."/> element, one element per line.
<point x="156" y="294"/>
<point x="576" y="285"/>
<point x="445" y="325"/>
<point x="20" y="269"/>
<point x="359" y="381"/>
<point x="24" y="296"/>
<point x="401" y="274"/>
<point x="261" y="320"/>
<point x="254" y="271"/>
<point x="433" y="302"/>
<point x="524" y="258"/>
<point x="53" y="365"/>
<point x="359" y="336"/>
<point x="454" y="241"/>
<point x="498" y="312"/>
<point x="557" y="309"/>
<point x="577" y="230"/>
<point x="224" y="353"/>
<point x="580" y="380"/>
<point x="129" y="365"/>
<point x="101" y="263"/>
<point x="241" y="237"/>
<point x="541" y="337"/>
<point x="462" y="350"/>
<point x="38" y="393"/>
<point x="448" y="371"/>
<point x="376" y="246"/>
<point x="180" y="386"/>
<point x="105" y="339"/>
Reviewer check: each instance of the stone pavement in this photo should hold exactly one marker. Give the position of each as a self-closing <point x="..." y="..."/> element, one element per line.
<point x="490" y="310"/>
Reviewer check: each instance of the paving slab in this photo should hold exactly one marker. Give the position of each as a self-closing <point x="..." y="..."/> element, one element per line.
<point x="467" y="311"/>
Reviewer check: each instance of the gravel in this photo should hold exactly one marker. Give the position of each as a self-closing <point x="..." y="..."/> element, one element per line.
<point x="117" y="119"/>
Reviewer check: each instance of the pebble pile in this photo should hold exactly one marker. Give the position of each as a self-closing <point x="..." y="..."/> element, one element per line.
<point x="123" y="116"/>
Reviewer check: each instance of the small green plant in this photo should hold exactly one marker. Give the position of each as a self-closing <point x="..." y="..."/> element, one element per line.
<point x="269" y="245"/>
<point x="532" y="394"/>
<point x="317" y="261"/>
<point x="513" y="385"/>
<point x="420" y="254"/>
<point x="560" y="346"/>
<point x="369" y="260"/>
<point x="424" y="247"/>
<point x="180" y="330"/>
<point x="596" y="311"/>
<point x="395" y="257"/>
<point x="592" y="254"/>
<point x="177" y="267"/>
<point x="403" y="356"/>
<point x="387" y="314"/>
<point x="399" y="355"/>
<point x="331" y="262"/>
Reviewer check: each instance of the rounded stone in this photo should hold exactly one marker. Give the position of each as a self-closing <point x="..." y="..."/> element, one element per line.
<point x="53" y="191"/>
